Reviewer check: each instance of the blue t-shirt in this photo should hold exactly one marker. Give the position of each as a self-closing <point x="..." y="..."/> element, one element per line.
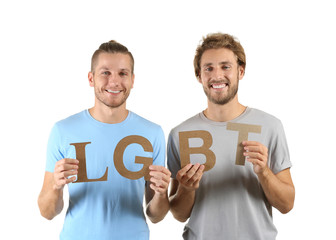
<point x="112" y="208"/>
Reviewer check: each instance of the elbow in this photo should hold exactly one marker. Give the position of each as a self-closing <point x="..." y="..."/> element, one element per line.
<point x="179" y="217"/>
<point x="158" y="217"/>
<point x="286" y="209"/>
<point x="155" y="220"/>
<point x="45" y="211"/>
<point x="46" y="214"/>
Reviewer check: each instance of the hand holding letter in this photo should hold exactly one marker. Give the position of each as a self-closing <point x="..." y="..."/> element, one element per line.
<point x="63" y="169"/>
<point x="160" y="178"/>
<point x="257" y="154"/>
<point x="190" y="176"/>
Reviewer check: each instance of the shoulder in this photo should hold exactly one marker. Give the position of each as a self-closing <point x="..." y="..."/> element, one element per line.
<point x="267" y="119"/>
<point x="71" y="120"/>
<point x="142" y="122"/>
<point x="188" y="124"/>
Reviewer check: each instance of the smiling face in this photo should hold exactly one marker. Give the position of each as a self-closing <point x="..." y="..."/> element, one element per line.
<point x="112" y="79"/>
<point x="219" y="75"/>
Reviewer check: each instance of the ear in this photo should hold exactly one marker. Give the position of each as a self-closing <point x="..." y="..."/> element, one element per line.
<point x="199" y="79"/>
<point x="241" y="72"/>
<point x="133" y="76"/>
<point x="90" y="77"/>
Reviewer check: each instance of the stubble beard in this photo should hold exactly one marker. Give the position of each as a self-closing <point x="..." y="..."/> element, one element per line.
<point x="219" y="100"/>
<point x="114" y="104"/>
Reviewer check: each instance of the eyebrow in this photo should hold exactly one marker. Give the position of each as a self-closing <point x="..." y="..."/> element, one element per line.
<point x="126" y="69"/>
<point x="221" y="63"/>
<point x="122" y="69"/>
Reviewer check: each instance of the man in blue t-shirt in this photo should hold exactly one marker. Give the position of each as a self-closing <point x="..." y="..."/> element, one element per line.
<point x="109" y="157"/>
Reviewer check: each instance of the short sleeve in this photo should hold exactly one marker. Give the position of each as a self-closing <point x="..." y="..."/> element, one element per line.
<point x="54" y="151"/>
<point x="159" y="149"/>
<point x="173" y="156"/>
<point x="279" y="153"/>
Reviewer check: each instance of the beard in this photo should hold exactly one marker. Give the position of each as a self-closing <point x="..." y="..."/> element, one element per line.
<point x="221" y="99"/>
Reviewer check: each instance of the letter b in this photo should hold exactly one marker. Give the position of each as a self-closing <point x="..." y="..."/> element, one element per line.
<point x="185" y="150"/>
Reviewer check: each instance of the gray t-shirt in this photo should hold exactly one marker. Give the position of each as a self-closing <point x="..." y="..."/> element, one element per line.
<point x="230" y="202"/>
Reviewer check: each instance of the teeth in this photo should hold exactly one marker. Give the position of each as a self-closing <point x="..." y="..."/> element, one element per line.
<point x="219" y="85"/>
<point x="110" y="91"/>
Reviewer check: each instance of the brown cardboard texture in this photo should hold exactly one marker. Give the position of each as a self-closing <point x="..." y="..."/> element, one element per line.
<point x="119" y="152"/>
<point x="244" y="130"/>
<point x="80" y="156"/>
<point x="185" y="150"/>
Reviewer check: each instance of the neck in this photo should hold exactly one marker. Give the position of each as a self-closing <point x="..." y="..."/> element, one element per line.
<point x="226" y="112"/>
<point x="109" y="115"/>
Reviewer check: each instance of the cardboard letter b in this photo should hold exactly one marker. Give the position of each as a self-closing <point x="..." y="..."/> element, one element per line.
<point x="185" y="150"/>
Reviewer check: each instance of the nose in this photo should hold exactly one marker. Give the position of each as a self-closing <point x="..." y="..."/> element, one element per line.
<point x="114" y="79"/>
<point x="218" y="73"/>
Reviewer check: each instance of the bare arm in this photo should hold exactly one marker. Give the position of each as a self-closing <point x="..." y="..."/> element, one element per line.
<point x="279" y="189"/>
<point x="50" y="200"/>
<point x="156" y="193"/>
<point x="182" y="194"/>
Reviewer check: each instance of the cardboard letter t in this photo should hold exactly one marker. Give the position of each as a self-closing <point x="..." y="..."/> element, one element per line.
<point x="243" y="129"/>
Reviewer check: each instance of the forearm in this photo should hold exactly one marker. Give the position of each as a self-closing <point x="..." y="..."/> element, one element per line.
<point x="51" y="203"/>
<point x="181" y="203"/>
<point x="157" y="208"/>
<point x="279" y="193"/>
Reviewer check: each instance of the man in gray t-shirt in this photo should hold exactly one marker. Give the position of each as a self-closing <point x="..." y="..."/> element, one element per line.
<point x="230" y="163"/>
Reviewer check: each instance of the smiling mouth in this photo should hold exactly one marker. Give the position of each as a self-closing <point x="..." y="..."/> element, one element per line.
<point x="219" y="85"/>
<point x="113" y="91"/>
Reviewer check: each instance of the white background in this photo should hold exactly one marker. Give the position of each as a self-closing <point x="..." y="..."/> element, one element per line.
<point x="45" y="54"/>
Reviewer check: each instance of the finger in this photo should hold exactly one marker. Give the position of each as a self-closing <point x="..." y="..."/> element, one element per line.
<point x="251" y="143"/>
<point x="161" y="169"/>
<point x="159" y="183"/>
<point x="256" y="155"/>
<point x="66" y="164"/>
<point x="193" y="170"/>
<point x="255" y="161"/>
<point x="63" y="181"/>
<point x="68" y="161"/>
<point x="195" y="184"/>
<point x="158" y="189"/>
<point x="197" y="176"/>
<point x="160" y="176"/>
<point x="184" y="170"/>
<point x="67" y="167"/>
<point x="70" y="180"/>
<point x="65" y="174"/>
<point x="259" y="149"/>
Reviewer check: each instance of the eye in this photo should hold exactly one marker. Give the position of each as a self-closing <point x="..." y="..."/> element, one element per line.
<point x="225" y="67"/>
<point x="106" y="73"/>
<point x="122" y="74"/>
<point x="208" y="69"/>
